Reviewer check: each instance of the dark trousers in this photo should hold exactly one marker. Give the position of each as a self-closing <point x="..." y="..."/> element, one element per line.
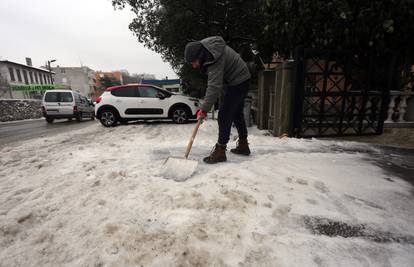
<point x="231" y="111"/>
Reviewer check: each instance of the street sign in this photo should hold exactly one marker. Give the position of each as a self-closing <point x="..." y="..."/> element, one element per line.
<point x="33" y="87"/>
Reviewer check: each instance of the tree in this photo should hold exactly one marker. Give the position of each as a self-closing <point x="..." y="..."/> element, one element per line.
<point x="107" y="81"/>
<point x="165" y="26"/>
<point x="135" y="77"/>
<point x="376" y="25"/>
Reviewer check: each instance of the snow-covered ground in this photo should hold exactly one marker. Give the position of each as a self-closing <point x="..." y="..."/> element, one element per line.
<point x="94" y="197"/>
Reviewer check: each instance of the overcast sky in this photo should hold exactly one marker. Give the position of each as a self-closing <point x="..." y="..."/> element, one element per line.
<point x="75" y="31"/>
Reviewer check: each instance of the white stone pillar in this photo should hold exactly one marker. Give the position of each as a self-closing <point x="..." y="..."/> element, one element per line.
<point x="402" y="108"/>
<point x="391" y="109"/>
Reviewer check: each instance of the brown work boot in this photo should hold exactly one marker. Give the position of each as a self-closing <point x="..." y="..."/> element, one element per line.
<point x="217" y="155"/>
<point x="242" y="148"/>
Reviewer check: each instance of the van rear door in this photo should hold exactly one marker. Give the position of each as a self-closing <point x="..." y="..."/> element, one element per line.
<point x="59" y="103"/>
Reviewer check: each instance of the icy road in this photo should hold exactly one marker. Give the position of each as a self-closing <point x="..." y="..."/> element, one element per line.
<point x="94" y="197"/>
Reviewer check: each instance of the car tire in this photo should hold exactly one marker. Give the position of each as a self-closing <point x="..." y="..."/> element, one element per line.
<point x="79" y="117"/>
<point x="180" y="115"/>
<point x="108" y="118"/>
<point x="49" y="120"/>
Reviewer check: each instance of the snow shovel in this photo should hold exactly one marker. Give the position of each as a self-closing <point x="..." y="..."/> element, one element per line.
<point x="180" y="169"/>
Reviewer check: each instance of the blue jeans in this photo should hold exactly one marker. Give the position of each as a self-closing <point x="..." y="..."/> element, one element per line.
<point x="231" y="111"/>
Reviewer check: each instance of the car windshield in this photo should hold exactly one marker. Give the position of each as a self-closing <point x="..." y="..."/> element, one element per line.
<point x="58" y="97"/>
<point x="166" y="92"/>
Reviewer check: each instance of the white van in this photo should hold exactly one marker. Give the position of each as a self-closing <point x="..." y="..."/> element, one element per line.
<point x="66" y="104"/>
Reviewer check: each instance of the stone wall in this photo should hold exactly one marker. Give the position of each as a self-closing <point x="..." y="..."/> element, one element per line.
<point x="15" y="109"/>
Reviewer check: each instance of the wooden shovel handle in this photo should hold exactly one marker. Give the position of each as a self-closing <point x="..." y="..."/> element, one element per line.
<point x="193" y="135"/>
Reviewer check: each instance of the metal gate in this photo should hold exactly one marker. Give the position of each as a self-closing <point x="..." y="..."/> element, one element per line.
<point x="340" y="93"/>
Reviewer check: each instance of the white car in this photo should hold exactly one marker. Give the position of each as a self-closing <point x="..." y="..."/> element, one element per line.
<point x="143" y="102"/>
<point x="66" y="104"/>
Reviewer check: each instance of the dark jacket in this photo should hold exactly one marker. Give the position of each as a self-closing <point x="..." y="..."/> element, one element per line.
<point x="226" y="68"/>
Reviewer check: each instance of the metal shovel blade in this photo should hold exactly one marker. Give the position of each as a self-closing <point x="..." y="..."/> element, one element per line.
<point x="178" y="169"/>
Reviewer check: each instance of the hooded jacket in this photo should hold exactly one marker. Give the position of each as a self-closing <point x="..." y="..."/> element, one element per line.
<point x="226" y="68"/>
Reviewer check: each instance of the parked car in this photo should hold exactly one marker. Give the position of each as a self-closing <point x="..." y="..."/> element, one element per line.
<point x="142" y="102"/>
<point x="66" y="104"/>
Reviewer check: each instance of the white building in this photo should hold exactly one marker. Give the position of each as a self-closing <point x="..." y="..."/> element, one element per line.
<point x="23" y="81"/>
<point x="80" y="79"/>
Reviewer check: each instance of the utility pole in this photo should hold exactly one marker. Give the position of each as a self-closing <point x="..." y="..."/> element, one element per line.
<point x="50" y="69"/>
<point x="48" y="64"/>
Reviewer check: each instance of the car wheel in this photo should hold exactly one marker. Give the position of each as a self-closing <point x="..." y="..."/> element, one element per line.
<point x="108" y="118"/>
<point x="49" y="120"/>
<point x="79" y="117"/>
<point x="180" y="115"/>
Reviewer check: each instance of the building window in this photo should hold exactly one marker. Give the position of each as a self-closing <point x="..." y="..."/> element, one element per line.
<point x="12" y="78"/>
<point x="26" y="81"/>
<point x="31" y="76"/>
<point x="41" y="78"/>
<point x="36" y="79"/>
<point x="62" y="71"/>
<point x="44" y="78"/>
<point x="19" y="75"/>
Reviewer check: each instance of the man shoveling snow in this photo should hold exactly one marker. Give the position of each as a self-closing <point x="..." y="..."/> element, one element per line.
<point x="228" y="76"/>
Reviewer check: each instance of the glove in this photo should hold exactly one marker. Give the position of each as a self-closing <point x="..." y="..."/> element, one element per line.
<point x="201" y="114"/>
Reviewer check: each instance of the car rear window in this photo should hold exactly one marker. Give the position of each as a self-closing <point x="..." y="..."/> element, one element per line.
<point x="58" y="97"/>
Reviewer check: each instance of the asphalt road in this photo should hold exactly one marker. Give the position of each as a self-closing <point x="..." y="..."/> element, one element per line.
<point x="13" y="132"/>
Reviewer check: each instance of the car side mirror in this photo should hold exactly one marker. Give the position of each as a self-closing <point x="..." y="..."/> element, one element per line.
<point x="160" y="96"/>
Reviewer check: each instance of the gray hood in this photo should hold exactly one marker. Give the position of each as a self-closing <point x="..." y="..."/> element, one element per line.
<point x="216" y="46"/>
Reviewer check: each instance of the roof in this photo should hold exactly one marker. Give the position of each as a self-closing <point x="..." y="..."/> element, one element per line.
<point x="26" y="66"/>
<point x="161" y="82"/>
<point x="74" y="68"/>
<point x="60" y="90"/>
<point x="126" y="85"/>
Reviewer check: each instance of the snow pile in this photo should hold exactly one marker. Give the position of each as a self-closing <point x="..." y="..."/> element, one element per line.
<point x="94" y="197"/>
<point x="178" y="169"/>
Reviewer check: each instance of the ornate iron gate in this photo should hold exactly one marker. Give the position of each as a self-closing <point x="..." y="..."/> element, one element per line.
<point x="340" y="93"/>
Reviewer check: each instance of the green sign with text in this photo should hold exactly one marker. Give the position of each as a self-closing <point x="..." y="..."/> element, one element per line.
<point x="33" y="87"/>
